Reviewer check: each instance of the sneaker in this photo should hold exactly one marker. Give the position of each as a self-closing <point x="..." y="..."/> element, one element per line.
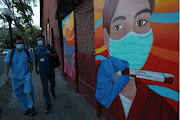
<point x="32" y="111"/>
<point x="26" y="112"/>
<point x="53" y="96"/>
<point x="48" y="109"/>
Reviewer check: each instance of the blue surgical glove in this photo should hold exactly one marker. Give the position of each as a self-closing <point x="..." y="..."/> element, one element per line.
<point x="106" y="91"/>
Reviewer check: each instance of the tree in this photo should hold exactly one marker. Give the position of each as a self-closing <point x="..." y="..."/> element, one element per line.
<point x="5" y="37"/>
<point x="23" y="12"/>
<point x="28" y="32"/>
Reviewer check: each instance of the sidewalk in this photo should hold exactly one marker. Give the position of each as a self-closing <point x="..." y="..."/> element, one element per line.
<point x="2" y="82"/>
<point x="68" y="105"/>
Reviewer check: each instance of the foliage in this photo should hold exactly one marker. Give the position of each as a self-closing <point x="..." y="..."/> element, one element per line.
<point x="6" y="40"/>
<point x="22" y="9"/>
<point x="5" y="37"/>
<point x="28" y="34"/>
<point x="23" y="13"/>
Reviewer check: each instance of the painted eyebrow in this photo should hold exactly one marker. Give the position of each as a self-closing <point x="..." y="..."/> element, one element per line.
<point x="119" y="17"/>
<point x="142" y="11"/>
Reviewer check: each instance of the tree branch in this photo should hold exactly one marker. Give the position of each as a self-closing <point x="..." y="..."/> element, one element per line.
<point x="27" y="19"/>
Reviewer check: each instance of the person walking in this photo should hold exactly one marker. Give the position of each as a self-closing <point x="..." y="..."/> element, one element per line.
<point x="18" y="60"/>
<point x="43" y="58"/>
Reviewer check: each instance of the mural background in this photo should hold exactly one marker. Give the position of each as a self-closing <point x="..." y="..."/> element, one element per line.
<point x="164" y="55"/>
<point x="68" y="25"/>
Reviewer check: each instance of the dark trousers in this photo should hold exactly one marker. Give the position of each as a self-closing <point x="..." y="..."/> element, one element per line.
<point x="45" y="76"/>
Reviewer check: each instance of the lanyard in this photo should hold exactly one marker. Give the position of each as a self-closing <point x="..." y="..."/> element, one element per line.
<point x="41" y="52"/>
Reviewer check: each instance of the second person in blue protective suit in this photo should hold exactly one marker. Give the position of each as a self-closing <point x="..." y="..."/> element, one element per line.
<point x="21" y="75"/>
<point x="43" y="58"/>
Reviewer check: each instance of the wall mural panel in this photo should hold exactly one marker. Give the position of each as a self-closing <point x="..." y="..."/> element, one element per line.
<point x="68" y="25"/>
<point x="137" y="47"/>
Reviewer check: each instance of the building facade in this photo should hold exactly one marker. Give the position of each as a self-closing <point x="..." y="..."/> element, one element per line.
<point x="90" y="30"/>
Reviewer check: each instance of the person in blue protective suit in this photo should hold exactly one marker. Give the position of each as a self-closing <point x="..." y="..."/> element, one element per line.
<point x="21" y="75"/>
<point x="43" y="56"/>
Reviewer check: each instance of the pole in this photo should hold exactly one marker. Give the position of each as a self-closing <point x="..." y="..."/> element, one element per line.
<point x="10" y="30"/>
<point x="32" y="41"/>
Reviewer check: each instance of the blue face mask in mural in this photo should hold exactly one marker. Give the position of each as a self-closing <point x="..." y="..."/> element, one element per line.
<point x="133" y="48"/>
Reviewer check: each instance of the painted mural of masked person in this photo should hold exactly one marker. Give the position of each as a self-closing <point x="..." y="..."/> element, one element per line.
<point x="128" y="38"/>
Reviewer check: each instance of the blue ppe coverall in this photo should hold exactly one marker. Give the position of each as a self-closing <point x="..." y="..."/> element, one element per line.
<point x="21" y="77"/>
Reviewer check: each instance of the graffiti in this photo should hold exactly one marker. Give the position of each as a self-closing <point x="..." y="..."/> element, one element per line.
<point x="69" y="46"/>
<point x="136" y="35"/>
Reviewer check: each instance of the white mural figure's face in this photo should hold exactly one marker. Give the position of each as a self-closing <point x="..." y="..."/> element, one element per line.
<point x="130" y="37"/>
<point x="130" y="15"/>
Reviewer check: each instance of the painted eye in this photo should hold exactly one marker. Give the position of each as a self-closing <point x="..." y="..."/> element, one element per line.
<point x="141" y="23"/>
<point x="118" y="27"/>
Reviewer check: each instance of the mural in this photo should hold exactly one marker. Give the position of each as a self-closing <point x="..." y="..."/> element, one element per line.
<point x="44" y="34"/>
<point x="137" y="48"/>
<point x="48" y="33"/>
<point x="68" y="25"/>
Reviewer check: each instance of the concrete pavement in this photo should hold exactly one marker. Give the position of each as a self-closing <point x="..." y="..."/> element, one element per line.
<point x="68" y="105"/>
<point x="2" y="80"/>
<point x="2" y="65"/>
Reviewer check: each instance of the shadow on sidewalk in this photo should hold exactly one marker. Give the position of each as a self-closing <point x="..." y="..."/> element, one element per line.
<point x="5" y="93"/>
<point x="68" y="105"/>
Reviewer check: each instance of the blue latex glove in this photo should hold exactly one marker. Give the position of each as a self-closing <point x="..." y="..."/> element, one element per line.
<point x="106" y="91"/>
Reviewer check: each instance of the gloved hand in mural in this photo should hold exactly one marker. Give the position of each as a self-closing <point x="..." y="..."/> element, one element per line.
<point x="106" y="91"/>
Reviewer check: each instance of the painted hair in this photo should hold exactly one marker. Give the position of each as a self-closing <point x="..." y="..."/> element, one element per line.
<point x="110" y="8"/>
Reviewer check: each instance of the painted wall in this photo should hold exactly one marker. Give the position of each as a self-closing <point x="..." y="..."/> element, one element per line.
<point x="85" y="41"/>
<point x="85" y="45"/>
<point x="69" y="45"/>
<point x="90" y="44"/>
<point x="142" y="35"/>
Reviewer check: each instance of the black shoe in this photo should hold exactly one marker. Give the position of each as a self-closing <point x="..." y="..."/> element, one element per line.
<point x="48" y="109"/>
<point x="53" y="96"/>
<point x="26" y="112"/>
<point x="32" y="111"/>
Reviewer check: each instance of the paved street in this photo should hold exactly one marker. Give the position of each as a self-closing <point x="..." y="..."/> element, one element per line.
<point x="68" y="105"/>
<point x="2" y="64"/>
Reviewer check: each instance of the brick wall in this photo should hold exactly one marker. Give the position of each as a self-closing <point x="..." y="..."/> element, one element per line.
<point x="85" y="38"/>
<point x="49" y="8"/>
<point x="84" y="17"/>
<point x="85" y="44"/>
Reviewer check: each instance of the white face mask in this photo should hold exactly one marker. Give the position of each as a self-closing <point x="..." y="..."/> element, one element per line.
<point x="19" y="46"/>
<point x="40" y="43"/>
<point x="133" y="48"/>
